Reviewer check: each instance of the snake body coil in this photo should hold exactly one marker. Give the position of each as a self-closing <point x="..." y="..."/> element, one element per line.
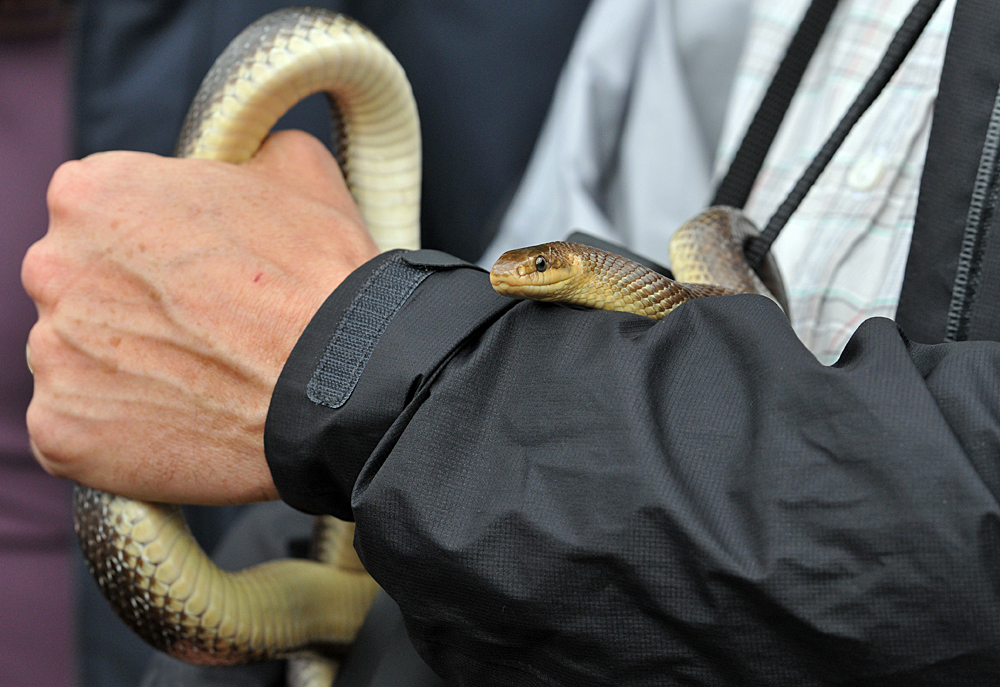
<point x="706" y="254"/>
<point x="141" y="554"/>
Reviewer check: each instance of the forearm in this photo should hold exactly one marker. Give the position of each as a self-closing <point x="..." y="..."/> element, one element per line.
<point x="589" y="495"/>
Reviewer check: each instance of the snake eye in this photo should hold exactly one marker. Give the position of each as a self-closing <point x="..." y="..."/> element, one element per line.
<point x="541" y="264"/>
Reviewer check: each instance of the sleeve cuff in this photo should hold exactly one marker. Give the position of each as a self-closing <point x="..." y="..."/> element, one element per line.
<point x="370" y="351"/>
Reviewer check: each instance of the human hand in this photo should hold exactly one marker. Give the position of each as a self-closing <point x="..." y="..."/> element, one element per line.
<point x="170" y="293"/>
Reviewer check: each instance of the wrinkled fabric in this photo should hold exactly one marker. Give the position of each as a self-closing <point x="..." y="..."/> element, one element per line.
<point x="844" y="250"/>
<point x="557" y="496"/>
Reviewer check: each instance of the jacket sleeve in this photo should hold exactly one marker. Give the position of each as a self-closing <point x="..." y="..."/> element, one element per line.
<point x="560" y="496"/>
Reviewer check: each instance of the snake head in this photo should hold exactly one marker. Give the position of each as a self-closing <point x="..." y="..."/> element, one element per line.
<point x="543" y="272"/>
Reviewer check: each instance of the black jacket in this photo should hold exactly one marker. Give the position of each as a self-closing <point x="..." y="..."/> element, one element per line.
<point x="556" y="496"/>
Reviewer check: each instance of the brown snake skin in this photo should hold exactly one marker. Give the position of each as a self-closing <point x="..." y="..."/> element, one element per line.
<point x="706" y="254"/>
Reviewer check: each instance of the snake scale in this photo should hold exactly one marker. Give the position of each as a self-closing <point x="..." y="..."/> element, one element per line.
<point x="142" y="554"/>
<point x="706" y="254"/>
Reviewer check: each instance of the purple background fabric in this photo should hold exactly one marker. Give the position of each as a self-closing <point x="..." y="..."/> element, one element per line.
<point x="36" y="641"/>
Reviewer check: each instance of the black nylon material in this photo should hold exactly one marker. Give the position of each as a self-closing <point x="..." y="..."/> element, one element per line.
<point x="984" y="316"/>
<point x="578" y="497"/>
<point x="969" y="84"/>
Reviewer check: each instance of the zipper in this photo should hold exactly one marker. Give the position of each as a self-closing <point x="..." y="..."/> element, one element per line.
<point x="984" y="200"/>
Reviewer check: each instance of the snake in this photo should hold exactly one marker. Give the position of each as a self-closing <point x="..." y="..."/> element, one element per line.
<point x="142" y="555"/>
<point x="706" y="256"/>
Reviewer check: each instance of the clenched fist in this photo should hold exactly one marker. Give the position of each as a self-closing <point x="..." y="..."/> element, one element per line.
<point x="169" y="294"/>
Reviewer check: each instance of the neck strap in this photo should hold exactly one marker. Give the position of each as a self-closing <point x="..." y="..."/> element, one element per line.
<point x="736" y="185"/>
<point x="734" y="189"/>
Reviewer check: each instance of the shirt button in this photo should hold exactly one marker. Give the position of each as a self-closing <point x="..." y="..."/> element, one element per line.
<point x="865" y="172"/>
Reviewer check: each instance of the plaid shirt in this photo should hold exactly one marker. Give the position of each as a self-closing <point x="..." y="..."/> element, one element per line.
<point x="844" y="250"/>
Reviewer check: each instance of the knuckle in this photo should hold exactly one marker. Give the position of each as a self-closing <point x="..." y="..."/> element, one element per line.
<point x="54" y="430"/>
<point x="38" y="271"/>
<point x="69" y="184"/>
<point x="49" y="358"/>
<point x="41" y="430"/>
<point x="302" y="160"/>
<point x="40" y="342"/>
<point x="90" y="182"/>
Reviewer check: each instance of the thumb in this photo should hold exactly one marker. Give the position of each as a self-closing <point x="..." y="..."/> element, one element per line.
<point x="299" y="159"/>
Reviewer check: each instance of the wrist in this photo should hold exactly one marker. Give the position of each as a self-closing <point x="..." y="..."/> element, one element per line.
<point x="362" y="364"/>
